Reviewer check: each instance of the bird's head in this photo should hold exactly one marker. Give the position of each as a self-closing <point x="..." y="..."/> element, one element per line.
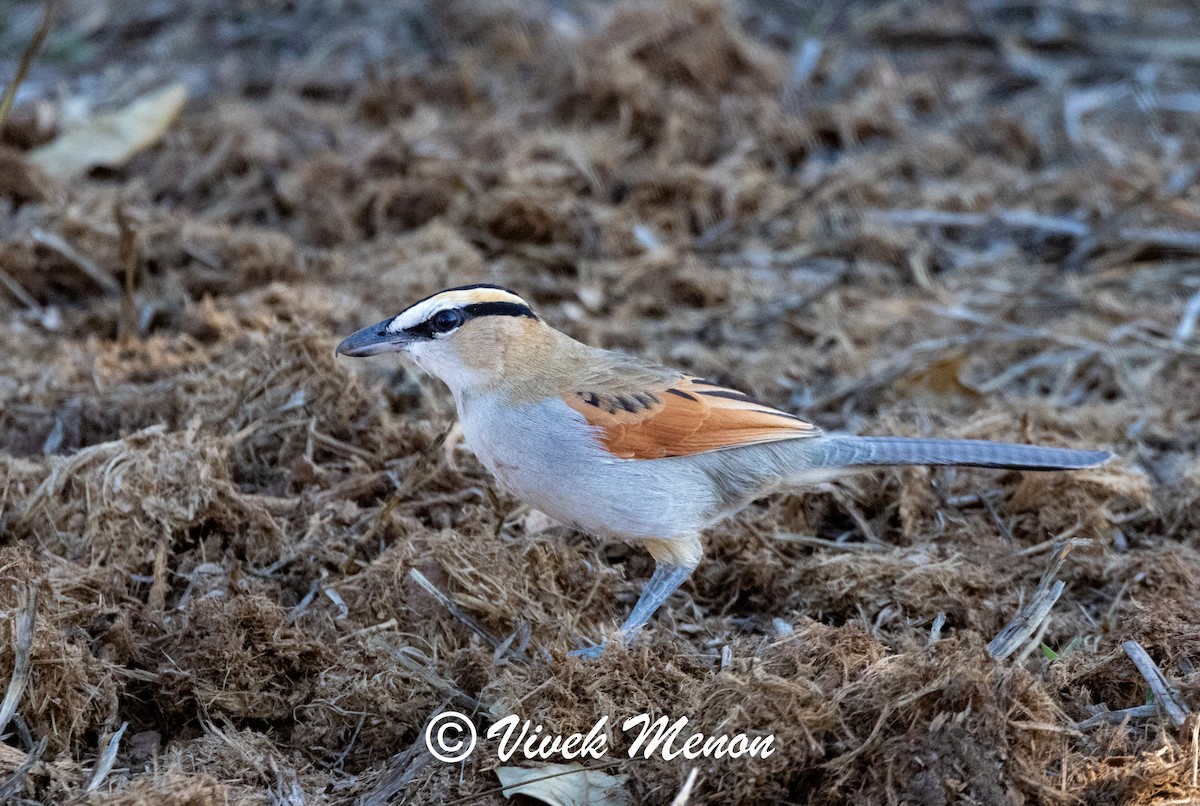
<point x="469" y="337"/>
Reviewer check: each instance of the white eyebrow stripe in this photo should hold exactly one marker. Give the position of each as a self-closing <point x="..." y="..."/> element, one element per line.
<point x="415" y="315"/>
<point x="458" y="298"/>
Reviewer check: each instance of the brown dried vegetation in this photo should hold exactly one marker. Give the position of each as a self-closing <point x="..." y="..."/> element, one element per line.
<point x="953" y="218"/>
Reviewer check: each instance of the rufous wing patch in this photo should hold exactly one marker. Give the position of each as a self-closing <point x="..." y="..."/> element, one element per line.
<point x="686" y="417"/>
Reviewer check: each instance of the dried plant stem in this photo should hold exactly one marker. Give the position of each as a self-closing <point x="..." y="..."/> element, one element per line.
<point x="1187" y="322"/>
<point x="129" y="262"/>
<point x="422" y="668"/>
<point x="1165" y="695"/>
<point x="86" y="265"/>
<point x="10" y="786"/>
<point x="22" y="650"/>
<point x="376" y="525"/>
<point x="401" y="769"/>
<point x="833" y="545"/>
<point x="49" y="11"/>
<point x="104" y="764"/>
<point x="18" y="291"/>
<point x="1117" y="717"/>
<point x="1026" y="622"/>
<point x="935" y="631"/>
<point x="454" y="609"/>
<point x="1196" y="753"/>
<point x="685" y="793"/>
<point x="1016" y="219"/>
<point x="1029" y="618"/>
<point x="1182" y="240"/>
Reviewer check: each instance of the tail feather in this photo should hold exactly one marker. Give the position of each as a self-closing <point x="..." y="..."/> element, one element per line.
<point x="883" y="451"/>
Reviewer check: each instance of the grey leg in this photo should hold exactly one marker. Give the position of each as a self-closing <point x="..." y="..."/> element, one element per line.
<point x="665" y="580"/>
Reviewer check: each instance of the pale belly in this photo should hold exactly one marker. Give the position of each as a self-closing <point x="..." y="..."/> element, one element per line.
<point x="545" y="455"/>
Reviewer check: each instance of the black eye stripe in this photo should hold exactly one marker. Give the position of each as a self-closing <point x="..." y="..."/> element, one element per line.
<point x="428" y="330"/>
<point x="478" y="309"/>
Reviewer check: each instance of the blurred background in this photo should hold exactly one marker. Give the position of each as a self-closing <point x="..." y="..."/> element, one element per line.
<point x="963" y="218"/>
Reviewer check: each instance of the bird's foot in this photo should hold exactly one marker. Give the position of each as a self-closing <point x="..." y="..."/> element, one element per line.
<point x="589" y="652"/>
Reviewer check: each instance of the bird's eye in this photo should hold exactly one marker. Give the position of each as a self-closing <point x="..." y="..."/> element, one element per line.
<point x="447" y="320"/>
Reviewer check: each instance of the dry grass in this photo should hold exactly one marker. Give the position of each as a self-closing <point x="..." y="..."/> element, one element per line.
<point x="967" y="220"/>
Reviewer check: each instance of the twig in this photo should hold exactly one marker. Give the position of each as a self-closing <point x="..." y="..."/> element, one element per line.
<point x="49" y="11"/>
<point x="935" y="632"/>
<point x="1116" y="717"/>
<point x="455" y="610"/>
<point x="1000" y="524"/>
<point x="129" y="261"/>
<point x="897" y="367"/>
<point x="1165" y="695"/>
<point x="376" y="525"/>
<point x="1182" y="240"/>
<point x="23" y="732"/>
<point x="22" y="650"/>
<point x="341" y="759"/>
<point x="302" y="606"/>
<point x="401" y="769"/>
<point x="55" y="243"/>
<point x="405" y="657"/>
<point x="1027" y="620"/>
<point x="156" y="599"/>
<point x="104" y="764"/>
<point x="1178" y="102"/>
<point x="1187" y="322"/>
<point x="823" y="543"/>
<point x="374" y="628"/>
<point x="332" y="595"/>
<point x="1067" y="535"/>
<point x="1015" y="371"/>
<point x="333" y="443"/>
<point x="804" y="63"/>
<point x="1036" y="640"/>
<point x="18" y="291"/>
<point x="1079" y="104"/>
<point x="685" y="794"/>
<point x="13" y="782"/>
<point x="1015" y="219"/>
<point x="1017" y="333"/>
<point x="1196" y="753"/>
<point x="847" y="503"/>
<point x="1030" y="617"/>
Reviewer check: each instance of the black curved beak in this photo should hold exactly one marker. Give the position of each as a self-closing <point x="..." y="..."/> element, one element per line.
<point x="373" y="340"/>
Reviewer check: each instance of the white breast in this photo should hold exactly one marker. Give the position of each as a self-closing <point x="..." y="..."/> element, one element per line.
<point x="546" y="454"/>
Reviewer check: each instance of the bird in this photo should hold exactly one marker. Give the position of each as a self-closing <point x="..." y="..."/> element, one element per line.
<point x="619" y="447"/>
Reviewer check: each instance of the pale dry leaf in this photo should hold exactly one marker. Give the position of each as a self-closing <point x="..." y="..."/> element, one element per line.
<point x="111" y="138"/>
<point x="565" y="785"/>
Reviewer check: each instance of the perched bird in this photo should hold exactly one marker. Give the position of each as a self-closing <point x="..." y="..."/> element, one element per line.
<point x="619" y="447"/>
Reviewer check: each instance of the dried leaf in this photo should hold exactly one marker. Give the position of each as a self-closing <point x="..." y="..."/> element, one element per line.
<point x="565" y="785"/>
<point x="943" y="377"/>
<point x="113" y="137"/>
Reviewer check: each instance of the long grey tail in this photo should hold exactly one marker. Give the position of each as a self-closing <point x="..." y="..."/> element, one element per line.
<point x="883" y="451"/>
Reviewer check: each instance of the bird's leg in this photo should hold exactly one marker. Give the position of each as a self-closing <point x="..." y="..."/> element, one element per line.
<point x="675" y="562"/>
<point x="666" y="578"/>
